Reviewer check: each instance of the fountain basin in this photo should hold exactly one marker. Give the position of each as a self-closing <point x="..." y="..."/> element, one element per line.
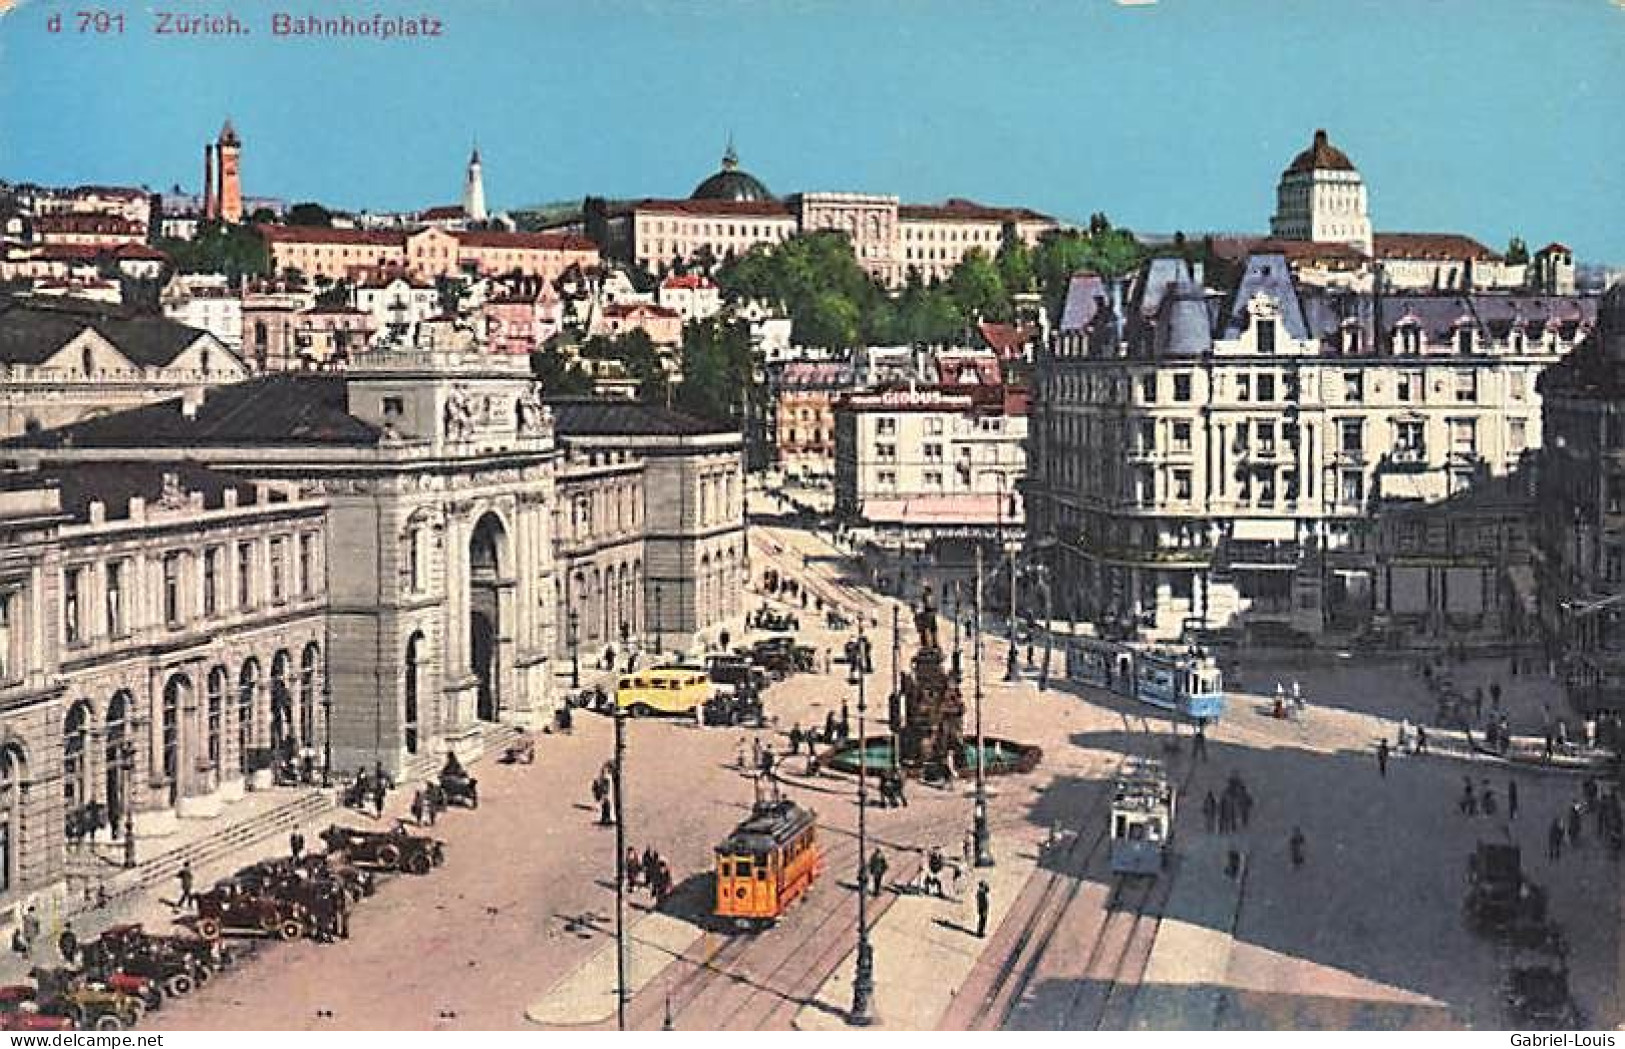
<point x="874" y="756"/>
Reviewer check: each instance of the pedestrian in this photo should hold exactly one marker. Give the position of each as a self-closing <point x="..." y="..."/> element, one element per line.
<point x="796" y="737"/>
<point x="1574" y="824"/>
<point x="296" y="846"/>
<point x="606" y="818"/>
<point x="898" y="789"/>
<point x="634" y="867"/>
<point x="1554" y="840"/>
<point x="739" y="754"/>
<point x="184" y="876"/>
<point x="1512" y="799"/>
<point x="768" y="758"/>
<point x="1382" y="758"/>
<point x="1469" y="801"/>
<point x="1210" y="812"/>
<point x="67" y="944"/>
<point x="1244" y="807"/>
<point x="1295" y="846"/>
<point x="31" y="928"/>
<point x="1200" y="741"/>
<point x="982" y="902"/>
<point x="599" y="789"/>
<point x="651" y="861"/>
<point x="1591" y="731"/>
<point x="1478" y="704"/>
<point x="380" y="794"/>
<point x="933" y="871"/>
<point x="433" y="801"/>
<point x="967" y="848"/>
<point x="829" y="725"/>
<point x="877" y="870"/>
<point x="1495" y="694"/>
<point x="1546" y="755"/>
<point x="1227" y="813"/>
<point x="1486" y="798"/>
<point x="1421" y="739"/>
<point x="756" y="752"/>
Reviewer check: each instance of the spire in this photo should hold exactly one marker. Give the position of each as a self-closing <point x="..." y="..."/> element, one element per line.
<point x="474" y="156"/>
<point x="730" y="158"/>
<point x="474" y="188"/>
<point x="228" y="135"/>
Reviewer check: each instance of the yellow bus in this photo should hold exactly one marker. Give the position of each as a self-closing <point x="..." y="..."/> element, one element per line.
<point x="662" y="690"/>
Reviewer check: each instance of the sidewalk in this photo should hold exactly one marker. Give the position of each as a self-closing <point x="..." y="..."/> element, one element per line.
<point x="1185" y="981"/>
<point x="924" y="948"/>
<point x="586" y="996"/>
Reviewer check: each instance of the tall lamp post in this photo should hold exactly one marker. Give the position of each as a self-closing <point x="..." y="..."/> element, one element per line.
<point x="127" y="756"/>
<point x="575" y="649"/>
<point x="1011" y="673"/>
<point x="618" y="784"/>
<point x="984" y="856"/>
<point x="660" y="642"/>
<point x="863" y="981"/>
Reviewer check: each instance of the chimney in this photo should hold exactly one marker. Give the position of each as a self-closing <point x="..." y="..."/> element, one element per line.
<point x="191" y="401"/>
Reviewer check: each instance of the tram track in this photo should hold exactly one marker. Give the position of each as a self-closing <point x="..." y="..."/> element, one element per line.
<point x="1006" y="1004"/>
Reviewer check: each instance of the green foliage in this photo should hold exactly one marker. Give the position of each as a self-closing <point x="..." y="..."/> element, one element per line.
<point x="977" y="289"/>
<point x="1015" y="262"/>
<point x="637" y="354"/>
<point x="1517" y="252"/>
<point x="558" y="376"/>
<point x="1104" y="250"/>
<point x="236" y="251"/>
<point x="717" y="370"/>
<point x="336" y="294"/>
<point x="309" y="213"/>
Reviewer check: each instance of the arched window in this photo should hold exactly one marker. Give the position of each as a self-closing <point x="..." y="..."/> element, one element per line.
<point x="115" y="761"/>
<point x="13" y="775"/>
<point x="307" y="694"/>
<point x="248" y="686"/>
<point x="216" y="713"/>
<point x="75" y="749"/>
<point x="281" y="706"/>
<point x="176" y="691"/>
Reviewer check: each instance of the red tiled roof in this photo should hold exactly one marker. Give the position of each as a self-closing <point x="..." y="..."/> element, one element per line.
<point x="1555" y="246"/>
<point x="1431" y="246"/>
<point x="720" y="208"/>
<point x="116" y="192"/>
<point x="445" y="211"/>
<point x="326" y="235"/>
<point x="1006" y="338"/>
<point x="1236" y="248"/>
<point x="628" y="309"/>
<point x="138" y="251"/>
<point x="70" y="252"/>
<point x="962" y="210"/>
<point x="1320" y="156"/>
<point x="530" y="241"/>
<point x="94" y="223"/>
<point x="687" y="280"/>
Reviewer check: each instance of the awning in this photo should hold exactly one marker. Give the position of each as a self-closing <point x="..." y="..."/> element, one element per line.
<point x="1277" y="530"/>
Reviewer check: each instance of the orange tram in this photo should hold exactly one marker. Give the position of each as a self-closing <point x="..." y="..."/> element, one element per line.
<point x="767" y="862"/>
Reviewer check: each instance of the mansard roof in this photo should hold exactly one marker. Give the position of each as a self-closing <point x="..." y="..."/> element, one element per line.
<point x="265" y="412"/>
<point x="1270" y="275"/>
<point x="603" y="417"/>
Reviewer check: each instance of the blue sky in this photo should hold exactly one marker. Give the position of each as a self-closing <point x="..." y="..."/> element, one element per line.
<point x="1489" y="117"/>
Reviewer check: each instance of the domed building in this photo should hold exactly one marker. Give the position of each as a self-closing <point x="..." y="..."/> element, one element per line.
<point x="731" y="183"/>
<point x="1321" y="197"/>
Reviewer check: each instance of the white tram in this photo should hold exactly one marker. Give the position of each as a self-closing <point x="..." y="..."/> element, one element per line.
<point x="1142" y="817"/>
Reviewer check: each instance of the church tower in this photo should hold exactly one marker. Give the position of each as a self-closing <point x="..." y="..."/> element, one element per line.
<point x="1321" y="197"/>
<point x="474" y="190"/>
<point x="230" y="196"/>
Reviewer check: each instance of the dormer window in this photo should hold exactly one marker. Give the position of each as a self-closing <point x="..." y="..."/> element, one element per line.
<point x="1464" y="338"/>
<point x="1266" y="335"/>
<point x="1408" y="336"/>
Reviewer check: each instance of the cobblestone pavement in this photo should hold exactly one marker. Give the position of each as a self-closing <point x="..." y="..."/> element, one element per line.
<point x="1370" y="933"/>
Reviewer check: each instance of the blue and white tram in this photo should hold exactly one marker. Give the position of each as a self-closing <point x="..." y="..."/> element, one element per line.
<point x="1183" y="680"/>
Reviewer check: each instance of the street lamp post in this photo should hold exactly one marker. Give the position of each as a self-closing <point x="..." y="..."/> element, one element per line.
<point x="618" y="784"/>
<point x="863" y="980"/>
<point x="984" y="855"/>
<point x="956" y="630"/>
<point x="127" y="753"/>
<point x="1011" y="673"/>
<point x="575" y="650"/>
<point x="660" y="642"/>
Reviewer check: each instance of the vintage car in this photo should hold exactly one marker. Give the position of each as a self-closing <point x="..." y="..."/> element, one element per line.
<point x="141" y="969"/>
<point x="91" y="1005"/>
<point x="385" y="850"/>
<point x="232" y="906"/>
<point x="460" y="789"/>
<point x="1497" y="895"/>
<point x="20" y="1011"/>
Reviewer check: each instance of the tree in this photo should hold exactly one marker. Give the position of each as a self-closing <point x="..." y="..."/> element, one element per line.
<point x="309" y="213"/>
<point x="336" y="294"/>
<point x="830" y="320"/>
<point x="977" y="289"/>
<point x="236" y="251"/>
<point x="558" y="375"/>
<point x="1015" y="262"/>
<point x="717" y="370"/>
<point x="1107" y="251"/>
<point x="1517" y="252"/>
<point x="262" y="215"/>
